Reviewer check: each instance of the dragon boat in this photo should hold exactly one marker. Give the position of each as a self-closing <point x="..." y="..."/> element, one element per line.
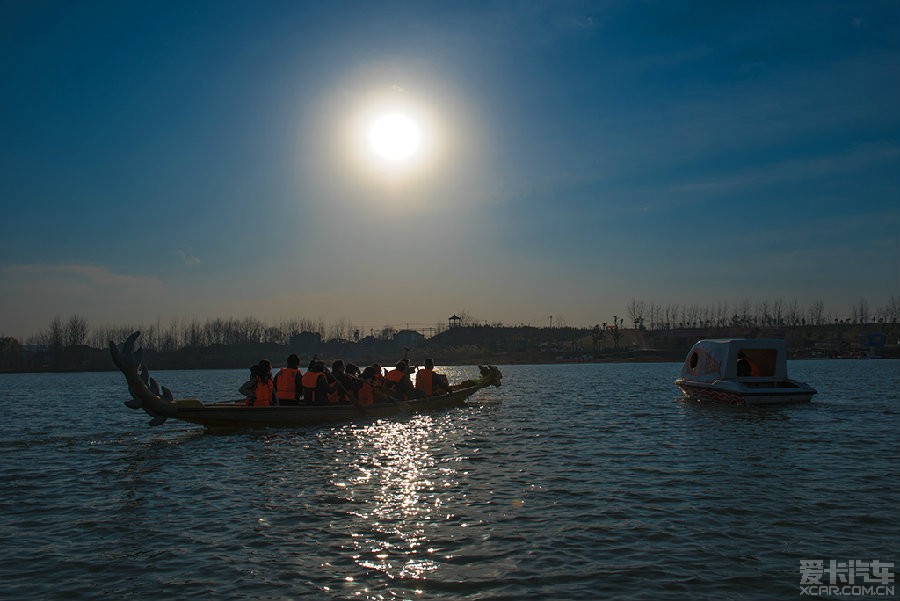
<point x="158" y="401"/>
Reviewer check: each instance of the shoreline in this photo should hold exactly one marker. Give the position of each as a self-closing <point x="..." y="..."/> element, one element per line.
<point x="571" y="361"/>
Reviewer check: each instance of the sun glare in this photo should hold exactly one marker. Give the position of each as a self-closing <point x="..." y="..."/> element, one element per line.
<point x="395" y="137"/>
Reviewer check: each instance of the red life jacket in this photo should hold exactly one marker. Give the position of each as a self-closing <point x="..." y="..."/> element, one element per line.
<point x="366" y="394"/>
<point x="287" y="383"/>
<point x="423" y="380"/>
<point x="263" y="393"/>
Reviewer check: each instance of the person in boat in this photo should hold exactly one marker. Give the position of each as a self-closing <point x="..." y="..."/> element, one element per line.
<point x="366" y="393"/>
<point x="743" y="366"/>
<point x="288" y="382"/>
<point x="248" y="388"/>
<point x="398" y="382"/>
<point x="378" y="378"/>
<point x="316" y="387"/>
<point x="747" y="367"/>
<point x="346" y="386"/>
<point x="430" y="382"/>
<point x="260" y="389"/>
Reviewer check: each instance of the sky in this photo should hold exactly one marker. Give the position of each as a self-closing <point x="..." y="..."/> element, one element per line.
<point x="180" y="160"/>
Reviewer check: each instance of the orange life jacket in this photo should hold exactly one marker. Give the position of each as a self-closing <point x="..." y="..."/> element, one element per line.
<point x="366" y="395"/>
<point x="310" y="381"/>
<point x="392" y="380"/>
<point x="287" y="383"/>
<point x="423" y="380"/>
<point x="263" y="393"/>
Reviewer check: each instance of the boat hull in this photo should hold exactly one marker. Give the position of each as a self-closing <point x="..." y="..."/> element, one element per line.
<point x="235" y="415"/>
<point x="738" y="393"/>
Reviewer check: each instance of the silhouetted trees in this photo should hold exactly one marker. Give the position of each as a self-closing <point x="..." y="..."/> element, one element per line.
<point x="65" y="343"/>
<point x="745" y="313"/>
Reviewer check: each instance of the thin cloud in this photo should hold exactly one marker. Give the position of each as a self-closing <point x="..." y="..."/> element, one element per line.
<point x="68" y="275"/>
<point x="187" y="256"/>
<point x="34" y="293"/>
<point x="859" y="157"/>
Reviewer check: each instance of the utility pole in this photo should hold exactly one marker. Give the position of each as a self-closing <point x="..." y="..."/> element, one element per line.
<point x="551" y="321"/>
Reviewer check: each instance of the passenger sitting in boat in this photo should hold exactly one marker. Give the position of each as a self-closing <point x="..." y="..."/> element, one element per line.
<point x="366" y="393"/>
<point x="345" y="385"/>
<point x="260" y="389"/>
<point x="429" y="382"/>
<point x="745" y="367"/>
<point x="288" y="385"/>
<point x="316" y="386"/>
<point x="397" y="380"/>
<point x="248" y="388"/>
<point x="378" y="378"/>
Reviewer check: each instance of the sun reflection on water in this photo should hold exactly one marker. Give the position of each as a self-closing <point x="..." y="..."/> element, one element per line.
<point x="393" y="473"/>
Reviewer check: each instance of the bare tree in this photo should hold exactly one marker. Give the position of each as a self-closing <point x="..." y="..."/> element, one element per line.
<point x="892" y="310"/>
<point x="76" y="330"/>
<point x="55" y="338"/>
<point x="816" y="313"/>
<point x="777" y="312"/>
<point x="636" y="312"/>
<point x="597" y="336"/>
<point x="723" y="314"/>
<point x="339" y="330"/>
<point x="466" y="319"/>
<point x="793" y="313"/>
<point x="860" y="311"/>
<point x="763" y="317"/>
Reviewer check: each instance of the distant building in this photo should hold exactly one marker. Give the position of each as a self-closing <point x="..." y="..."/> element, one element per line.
<point x="408" y="338"/>
<point x="455" y="321"/>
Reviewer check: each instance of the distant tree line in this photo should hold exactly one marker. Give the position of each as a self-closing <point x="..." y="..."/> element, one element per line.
<point x="747" y="314"/>
<point x="177" y="334"/>
<point x="72" y="344"/>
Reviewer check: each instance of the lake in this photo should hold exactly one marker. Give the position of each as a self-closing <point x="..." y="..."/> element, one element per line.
<point x="568" y="482"/>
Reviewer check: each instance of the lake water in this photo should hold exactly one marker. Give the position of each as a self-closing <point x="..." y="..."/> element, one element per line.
<point x="568" y="482"/>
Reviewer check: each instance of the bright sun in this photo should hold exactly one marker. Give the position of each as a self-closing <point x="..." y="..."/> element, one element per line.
<point x="395" y="137"/>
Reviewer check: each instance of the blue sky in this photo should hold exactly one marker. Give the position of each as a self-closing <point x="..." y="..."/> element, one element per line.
<point x="169" y="160"/>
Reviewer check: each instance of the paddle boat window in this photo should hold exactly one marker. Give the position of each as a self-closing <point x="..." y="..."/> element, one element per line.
<point x="761" y="362"/>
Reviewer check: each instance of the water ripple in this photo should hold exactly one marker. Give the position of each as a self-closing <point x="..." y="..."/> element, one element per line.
<point x="582" y="481"/>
